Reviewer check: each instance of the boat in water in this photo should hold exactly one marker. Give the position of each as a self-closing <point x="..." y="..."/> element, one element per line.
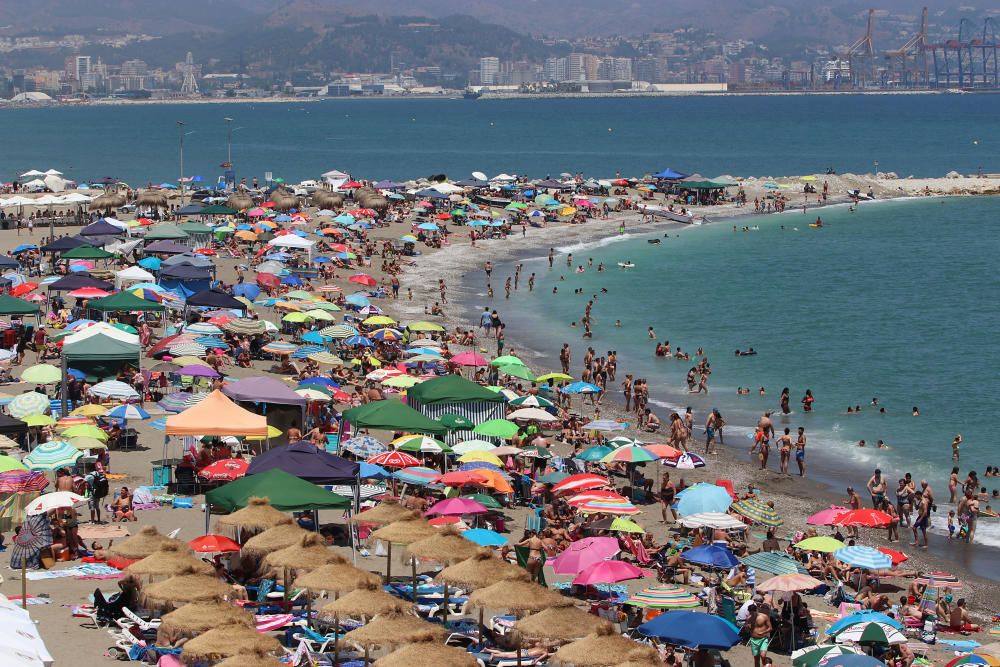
<point x="676" y="216"/>
<point x="471" y="94"/>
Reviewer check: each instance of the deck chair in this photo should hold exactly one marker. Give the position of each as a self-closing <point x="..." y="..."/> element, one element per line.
<point x="637" y="549"/>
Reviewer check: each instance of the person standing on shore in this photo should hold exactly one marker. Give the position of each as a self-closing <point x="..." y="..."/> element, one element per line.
<point x="854" y="502"/>
<point x="953" y="484"/>
<point x="876" y="488"/>
<point x="627" y="391"/>
<point x="904" y="502"/>
<point x="785" y="449"/>
<point x="565" y="356"/>
<point x="552" y="256"/>
<point x="922" y="520"/>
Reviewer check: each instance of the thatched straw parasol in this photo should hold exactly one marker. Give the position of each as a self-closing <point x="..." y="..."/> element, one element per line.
<point x="199" y="617"/>
<point x="518" y="596"/>
<point x="145" y="543"/>
<point x="336" y="578"/>
<point x="483" y="569"/>
<point x="151" y="198"/>
<point x="185" y="588"/>
<point x="560" y="624"/>
<point x="384" y="513"/>
<point x="308" y="553"/>
<point x="239" y="201"/>
<point x="257" y="515"/>
<point x="368" y="600"/>
<point x="641" y="662"/>
<point x="426" y="654"/>
<point x="251" y="660"/>
<point x="107" y="200"/>
<point x="602" y="649"/>
<point x="170" y="559"/>
<point x="402" y="532"/>
<point x="274" y="539"/>
<point x="229" y="640"/>
<point x="445" y="546"/>
<point x="395" y="629"/>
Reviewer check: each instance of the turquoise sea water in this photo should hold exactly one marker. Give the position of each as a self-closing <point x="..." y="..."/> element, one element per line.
<point x="926" y="135"/>
<point x="894" y="301"/>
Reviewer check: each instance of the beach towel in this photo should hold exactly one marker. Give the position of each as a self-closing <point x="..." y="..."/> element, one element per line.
<point x="269" y="622"/>
<point x="522" y="560"/>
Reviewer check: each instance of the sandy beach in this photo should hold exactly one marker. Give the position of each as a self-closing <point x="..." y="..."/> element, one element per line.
<point x="460" y="265"/>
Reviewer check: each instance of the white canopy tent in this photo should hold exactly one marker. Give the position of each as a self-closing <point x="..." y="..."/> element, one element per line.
<point x="293" y="241"/>
<point x="133" y="274"/>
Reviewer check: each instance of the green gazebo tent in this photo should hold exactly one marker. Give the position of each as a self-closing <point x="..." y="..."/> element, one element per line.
<point x="165" y="232"/>
<point x="285" y="492"/>
<point x="87" y="252"/>
<point x="11" y="305"/>
<point x="125" y="302"/>
<point x="452" y="389"/>
<point x="392" y="415"/>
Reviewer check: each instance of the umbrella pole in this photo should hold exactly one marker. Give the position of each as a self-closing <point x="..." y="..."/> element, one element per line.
<point x="24" y="582"/>
<point x="444" y="616"/>
<point x="336" y="641"/>
<point x="482" y="629"/>
<point x="413" y="564"/>
<point x="388" y="562"/>
<point x="309" y="604"/>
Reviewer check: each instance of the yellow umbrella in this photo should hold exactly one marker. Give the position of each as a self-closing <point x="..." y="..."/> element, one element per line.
<point x="88" y="430"/>
<point x="39" y="420"/>
<point x="272" y="432"/>
<point x="485" y="457"/>
<point x="400" y="381"/>
<point x="424" y="326"/>
<point x="379" y="320"/>
<point x="318" y="314"/>
<point x="245" y="235"/>
<point x="90" y="410"/>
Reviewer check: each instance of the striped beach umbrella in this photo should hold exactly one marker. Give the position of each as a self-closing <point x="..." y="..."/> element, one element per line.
<point x="364" y="446"/>
<point x="212" y="343"/>
<point x="52" y="455"/>
<point x="581" y="482"/>
<point x="338" y="331"/>
<point x="329" y="289"/>
<point x="386" y="335"/>
<point x="159" y="424"/>
<point x="607" y="425"/>
<point x="279" y="348"/>
<point x="181" y="401"/>
<point x="864" y="557"/>
<point x="812" y="656"/>
<point x="664" y="597"/>
<point x="594" y="453"/>
<point x="129" y="412"/>
<point x="203" y="329"/>
<point x="788" y="583"/>
<point x="188" y="349"/>
<point x="624" y="441"/>
<point x="872" y="632"/>
<point x="20" y="481"/>
<point x="774" y="562"/>
<point x="758" y="512"/>
<point x="608" y="506"/>
<point x="469" y="446"/>
<point x="417" y="475"/>
<point x="305" y="350"/>
<point x="29" y="403"/>
<point x="630" y="454"/>
<point x="245" y="327"/>
<point x="420" y="443"/>
<point x="68" y="421"/>
<point x="392" y="459"/>
<point x="686" y="461"/>
<point x="531" y="401"/>
<point x="114" y="389"/>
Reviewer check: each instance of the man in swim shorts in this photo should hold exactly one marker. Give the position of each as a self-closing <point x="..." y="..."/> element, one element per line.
<point x="760" y="634"/>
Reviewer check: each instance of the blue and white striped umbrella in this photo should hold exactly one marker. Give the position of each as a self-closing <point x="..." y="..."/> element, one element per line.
<point x="306" y="350"/>
<point x="52" y="456"/>
<point x="27" y="404"/>
<point x="114" y="389"/>
<point x="358" y="341"/>
<point x="865" y="557"/>
<point x="181" y="401"/>
<point x="129" y="412"/>
<point x="188" y="349"/>
<point x="159" y="424"/>
<point x="212" y="342"/>
<point x="338" y="331"/>
<point x="203" y="329"/>
<point x="365" y="446"/>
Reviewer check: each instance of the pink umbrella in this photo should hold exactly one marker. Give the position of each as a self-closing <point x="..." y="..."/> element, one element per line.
<point x="826" y="517"/>
<point x="582" y="554"/>
<point x="469" y="358"/>
<point x="457" y="507"/>
<point x="607" y="572"/>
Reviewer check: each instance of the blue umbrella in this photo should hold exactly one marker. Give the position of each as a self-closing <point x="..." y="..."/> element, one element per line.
<point x="25" y="246"/>
<point x="129" y="412"/>
<point x="322" y="259"/>
<point x="212" y="342"/>
<point x="79" y="375"/>
<point x="581" y="388"/>
<point x="364" y="446"/>
<point x="703" y="498"/>
<point x="160" y="424"/>
<point x="692" y="629"/>
<point x="359" y="300"/>
<point x="479" y="465"/>
<point x="283" y="218"/>
<point x="866" y="557"/>
<point x="428" y="226"/>
<point x="306" y="350"/>
<point x="851" y="660"/>
<point x="359" y="341"/>
<point x="863" y="616"/>
<point x="292" y="280"/>
<point x="314" y="337"/>
<point x="326" y="382"/>
<point x="372" y="471"/>
<point x="151" y="263"/>
<point x="248" y="291"/>
<point x="485" y="538"/>
<point x="711" y="555"/>
<point x="594" y="453"/>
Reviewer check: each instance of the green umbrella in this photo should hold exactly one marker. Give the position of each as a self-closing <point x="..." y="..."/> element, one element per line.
<point x="421" y="443"/>
<point x="41" y="374"/>
<point x="87" y="252"/>
<point x="127" y="328"/>
<point x="553" y="477"/>
<point x="498" y="428"/>
<point x="485" y="500"/>
<point x="774" y="562"/>
<point x="623" y="525"/>
<point x="506" y="360"/>
<point x="518" y="371"/>
<point x="531" y="401"/>
<point x="594" y="453"/>
<point x="456" y="422"/>
<point x="811" y="656"/>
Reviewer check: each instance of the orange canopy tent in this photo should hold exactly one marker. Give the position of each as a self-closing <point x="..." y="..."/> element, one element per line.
<point x="217" y="415"/>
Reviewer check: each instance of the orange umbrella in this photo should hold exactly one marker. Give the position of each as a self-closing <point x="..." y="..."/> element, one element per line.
<point x="246" y="235"/>
<point x="494" y="480"/>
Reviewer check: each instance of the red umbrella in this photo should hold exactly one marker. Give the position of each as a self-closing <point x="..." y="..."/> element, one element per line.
<point x="587" y="496"/>
<point x="340" y="396"/>
<point x="619" y="181"/>
<point x="826" y="517"/>
<point x="580" y="482"/>
<point x="23" y="288"/>
<point x="225" y="470"/>
<point x="205" y="251"/>
<point x="88" y="293"/>
<point x="350" y="185"/>
<point x="394" y="460"/>
<point x="443" y="216"/>
<point x="363" y="279"/>
<point x="868" y="518"/>
<point x="268" y="280"/>
<point x="462" y="477"/>
<point x="664" y="451"/>
<point x="338" y="247"/>
<point x="213" y="544"/>
<point x="896" y="556"/>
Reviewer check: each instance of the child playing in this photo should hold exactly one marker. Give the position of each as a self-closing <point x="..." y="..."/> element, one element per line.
<point x="951" y="525"/>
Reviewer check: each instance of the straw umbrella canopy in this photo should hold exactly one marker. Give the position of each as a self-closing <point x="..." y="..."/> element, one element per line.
<point x="518" y="596"/>
<point x="201" y="617"/>
<point x="257" y="515"/>
<point x="425" y="654"/>
<point x="151" y="198"/>
<point x="482" y="570"/>
<point x="446" y="546"/>
<point x="367" y="600"/>
<point x="251" y="660"/>
<point x="385" y="513"/>
<point x="602" y="649"/>
<point x="170" y="559"/>
<point x="560" y="624"/>
<point x="394" y="629"/>
<point x="227" y="641"/>
<point x="637" y="662"/>
<point x="336" y="578"/>
<point x="308" y="553"/>
<point x="145" y="543"/>
<point x="239" y="201"/>
<point x="185" y="588"/>
<point x="402" y="532"/>
<point x="275" y="539"/>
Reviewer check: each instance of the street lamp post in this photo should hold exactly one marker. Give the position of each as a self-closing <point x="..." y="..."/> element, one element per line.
<point x="229" y="141"/>
<point x="876" y="168"/>
<point x="180" y="128"/>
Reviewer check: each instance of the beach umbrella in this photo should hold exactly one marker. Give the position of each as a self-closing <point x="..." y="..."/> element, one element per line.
<point x="822" y="543"/>
<point x="35" y="534"/>
<point x="774" y="562"/>
<point x="307" y="553"/>
<point x="703" y="498"/>
<point x="193" y="619"/>
<point x="826" y="517"/>
<point x="861" y="617"/>
<point x="531" y="414"/>
<point x="686" y="461"/>
<point x="853" y="661"/>
<point x="227" y="641"/>
<point x="406" y="531"/>
<point x="469" y="358"/>
<point x="758" y="512"/>
<point x="184" y="588"/>
<point x="785" y="583"/>
<point x="711" y="555"/>
<point x="366" y="600"/>
<point x="52" y="456"/>
<point x="596" y="453"/>
<point x="812" y="656"/>
<point x="29" y="403"/>
<point x="481" y="570"/>
<point x="868" y="518"/>
<point x="456" y="507"/>
<point x="607" y="506"/>
<point x="41" y="374"/>
<point x="128" y="411"/>
<point x="897" y="557"/>
<point x="692" y="630"/>
<point x="420" y="443"/>
<point x="629" y="454"/>
<point x="364" y="446"/>
<point x="581" y="388"/>
<point x="469" y="446"/>
<point x="224" y="470"/>
<point x="90" y="410"/>
<point x="870" y="632"/>
<point x="9" y="463"/>
<point x="664" y="597"/>
<point x="197" y="370"/>
<point x="602" y="648"/>
<point x="170" y="560"/>
<point x="485" y="537"/>
<point x="975" y="659"/>
<point x="393" y="629"/>
<point x="607" y="572"/>
<point x="456" y="422"/>
<point x="213" y="544"/>
<point x="22" y="481"/>
<point x="518" y="597"/>
<point x="623" y="525"/>
<point x="85" y="430"/>
<point x="609" y="425"/>
<point x="146" y="542"/>
<point x="41" y="420"/>
<point x="393" y="459"/>
<point x="445" y="547"/>
<point x="384" y="513"/>
<point x="115" y="390"/>
<point x="53" y="501"/>
<point x="864" y="557"/>
<point x="336" y="578"/>
<point x="425" y="653"/>
<point x="276" y="538"/>
<point x="559" y="624"/>
<point x="417" y="475"/>
<point x="531" y="401"/>
<point x="581" y="482"/>
<point x="580" y="555"/>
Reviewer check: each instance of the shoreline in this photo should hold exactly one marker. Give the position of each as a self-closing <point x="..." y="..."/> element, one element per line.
<point x="796" y="500"/>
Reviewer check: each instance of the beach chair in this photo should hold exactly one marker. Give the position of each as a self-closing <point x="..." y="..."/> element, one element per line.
<point x="637" y="549"/>
<point x="316" y="642"/>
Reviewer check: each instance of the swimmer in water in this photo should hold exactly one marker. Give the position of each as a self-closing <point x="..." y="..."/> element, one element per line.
<point x="618" y="323"/>
<point x="652" y="334"/>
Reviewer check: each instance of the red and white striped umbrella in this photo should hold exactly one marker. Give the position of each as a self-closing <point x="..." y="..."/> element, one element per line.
<point x="394" y="459"/>
<point x="582" y="482"/>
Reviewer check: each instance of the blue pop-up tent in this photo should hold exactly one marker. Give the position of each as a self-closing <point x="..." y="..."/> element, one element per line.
<point x="670" y="175"/>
